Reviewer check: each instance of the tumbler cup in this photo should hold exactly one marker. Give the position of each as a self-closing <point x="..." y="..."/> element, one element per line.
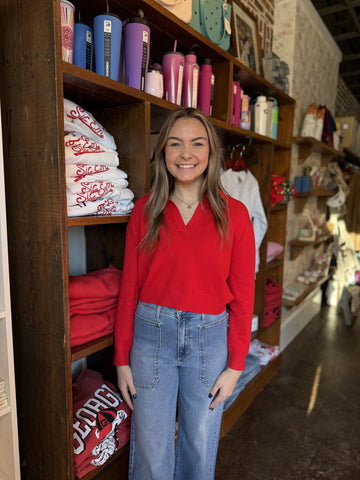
<point x="83" y="46"/>
<point x="67" y="11"/>
<point x="107" y="36"/>
<point x="173" y="70"/>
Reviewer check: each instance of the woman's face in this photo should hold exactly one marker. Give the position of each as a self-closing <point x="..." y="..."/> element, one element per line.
<point x="187" y="150"/>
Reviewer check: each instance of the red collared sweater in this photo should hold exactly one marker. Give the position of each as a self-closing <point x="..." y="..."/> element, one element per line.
<point x="190" y="271"/>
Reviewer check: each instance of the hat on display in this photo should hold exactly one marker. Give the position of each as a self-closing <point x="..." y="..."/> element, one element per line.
<point x="337" y="200"/>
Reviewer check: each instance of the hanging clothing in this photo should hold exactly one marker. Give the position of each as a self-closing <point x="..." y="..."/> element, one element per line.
<point x="244" y="187"/>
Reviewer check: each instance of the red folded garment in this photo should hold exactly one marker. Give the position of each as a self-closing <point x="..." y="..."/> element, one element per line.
<point x="101" y="421"/>
<point x="98" y="305"/>
<point x="102" y="283"/>
<point x="85" y="328"/>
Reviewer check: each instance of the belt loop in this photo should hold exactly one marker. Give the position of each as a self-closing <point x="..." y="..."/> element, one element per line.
<point x="203" y="317"/>
<point x="158" y="310"/>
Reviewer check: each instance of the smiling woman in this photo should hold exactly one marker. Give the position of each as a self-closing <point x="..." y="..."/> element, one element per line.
<point x="189" y="253"/>
<point x="187" y="157"/>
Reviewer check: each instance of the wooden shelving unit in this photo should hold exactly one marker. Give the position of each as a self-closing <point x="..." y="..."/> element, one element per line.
<point x="310" y="288"/>
<point x="34" y="83"/>
<point x="298" y="245"/>
<point x="308" y="145"/>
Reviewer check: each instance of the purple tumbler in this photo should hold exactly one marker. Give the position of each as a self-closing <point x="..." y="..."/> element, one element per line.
<point x="136" y="51"/>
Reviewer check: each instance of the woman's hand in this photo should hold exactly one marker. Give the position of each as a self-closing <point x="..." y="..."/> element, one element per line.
<point x="126" y="384"/>
<point x="224" y="386"/>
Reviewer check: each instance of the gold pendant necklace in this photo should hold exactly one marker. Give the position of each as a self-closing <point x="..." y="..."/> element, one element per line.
<point x="188" y="205"/>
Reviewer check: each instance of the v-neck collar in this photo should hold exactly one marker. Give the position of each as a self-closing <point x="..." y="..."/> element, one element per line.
<point x="193" y="220"/>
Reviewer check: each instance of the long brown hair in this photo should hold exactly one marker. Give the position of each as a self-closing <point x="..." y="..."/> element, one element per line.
<point x="163" y="181"/>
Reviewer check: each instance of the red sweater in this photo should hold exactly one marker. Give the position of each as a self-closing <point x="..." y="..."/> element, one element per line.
<point x="189" y="271"/>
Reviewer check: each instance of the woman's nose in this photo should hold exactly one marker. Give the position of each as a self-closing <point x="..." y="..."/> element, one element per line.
<point x="186" y="151"/>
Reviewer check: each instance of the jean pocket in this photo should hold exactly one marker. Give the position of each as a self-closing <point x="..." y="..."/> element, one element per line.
<point x="213" y="350"/>
<point x="145" y="350"/>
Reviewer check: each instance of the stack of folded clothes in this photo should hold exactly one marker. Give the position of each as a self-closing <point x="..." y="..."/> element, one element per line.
<point x="94" y="183"/>
<point x="93" y="304"/>
<point x="265" y="352"/>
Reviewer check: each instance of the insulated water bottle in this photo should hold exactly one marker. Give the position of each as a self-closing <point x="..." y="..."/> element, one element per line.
<point x="206" y="87"/>
<point x="235" y="110"/>
<point x="83" y="46"/>
<point x="274" y="131"/>
<point x="245" y="113"/>
<point x="107" y="36"/>
<point x="260" y="115"/>
<point x="190" y="81"/>
<point x="173" y="71"/>
<point x="136" y="51"/>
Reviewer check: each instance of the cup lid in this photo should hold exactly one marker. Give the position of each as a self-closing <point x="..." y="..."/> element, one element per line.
<point x="174" y="53"/>
<point x="108" y="14"/>
<point x="69" y="3"/>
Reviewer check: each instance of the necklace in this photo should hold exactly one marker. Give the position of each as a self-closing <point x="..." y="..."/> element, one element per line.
<point x="188" y="205"/>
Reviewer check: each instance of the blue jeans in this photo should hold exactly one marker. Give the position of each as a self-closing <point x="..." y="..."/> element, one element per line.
<point x="175" y="358"/>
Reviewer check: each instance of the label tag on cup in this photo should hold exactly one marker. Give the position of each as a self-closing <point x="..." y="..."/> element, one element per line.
<point x="145" y="44"/>
<point x="107" y="48"/>
<point x="88" y="49"/>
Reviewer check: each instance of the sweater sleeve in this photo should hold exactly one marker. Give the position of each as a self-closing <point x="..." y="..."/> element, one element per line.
<point x="129" y="291"/>
<point x="241" y="282"/>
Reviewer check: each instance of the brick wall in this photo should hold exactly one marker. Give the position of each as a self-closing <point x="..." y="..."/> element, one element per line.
<point x="263" y="11"/>
<point x="346" y="104"/>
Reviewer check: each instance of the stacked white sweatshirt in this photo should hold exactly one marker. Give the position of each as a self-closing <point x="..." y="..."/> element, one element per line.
<point x="94" y="183"/>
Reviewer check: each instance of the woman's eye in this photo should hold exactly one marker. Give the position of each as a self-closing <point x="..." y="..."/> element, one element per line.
<point x="199" y="144"/>
<point x="174" y="144"/>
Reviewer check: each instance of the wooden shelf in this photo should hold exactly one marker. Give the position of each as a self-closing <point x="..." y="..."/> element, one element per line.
<point x="98" y="220"/>
<point x="94" y="346"/>
<point x="298" y="245"/>
<point x="308" y="145"/>
<point x="300" y="298"/>
<point x="275" y="263"/>
<point x="302" y="198"/>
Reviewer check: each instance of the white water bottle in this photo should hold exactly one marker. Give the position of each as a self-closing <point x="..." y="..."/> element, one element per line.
<point x="260" y="115"/>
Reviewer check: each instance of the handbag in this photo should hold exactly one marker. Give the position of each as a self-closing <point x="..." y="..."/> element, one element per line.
<point x="180" y="8"/>
<point x="212" y="18"/>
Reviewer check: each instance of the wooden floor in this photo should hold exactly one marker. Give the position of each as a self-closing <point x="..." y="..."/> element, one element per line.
<point x="305" y="424"/>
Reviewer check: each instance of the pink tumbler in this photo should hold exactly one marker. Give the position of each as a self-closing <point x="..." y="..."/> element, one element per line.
<point x="190" y="81"/>
<point x="67" y="29"/>
<point x="206" y="87"/>
<point x="173" y="70"/>
<point x="235" y="110"/>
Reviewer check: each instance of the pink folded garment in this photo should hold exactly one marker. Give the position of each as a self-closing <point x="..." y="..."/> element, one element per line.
<point x="81" y="149"/>
<point x="77" y="119"/>
<point x="104" y="206"/>
<point x="93" y="173"/>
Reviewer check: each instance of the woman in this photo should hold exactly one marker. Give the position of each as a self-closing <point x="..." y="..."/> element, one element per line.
<point x="189" y="253"/>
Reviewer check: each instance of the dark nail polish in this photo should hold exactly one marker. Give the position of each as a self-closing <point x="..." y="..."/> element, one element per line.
<point x="210" y="395"/>
<point x="134" y="396"/>
<point x="211" y="408"/>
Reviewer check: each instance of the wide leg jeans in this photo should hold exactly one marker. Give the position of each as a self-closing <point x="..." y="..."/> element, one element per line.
<point x="175" y="358"/>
